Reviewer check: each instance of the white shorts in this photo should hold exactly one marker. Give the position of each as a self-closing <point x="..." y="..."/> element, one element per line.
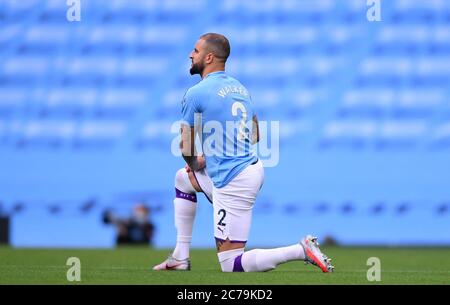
<point x="205" y="183"/>
<point x="233" y="204"/>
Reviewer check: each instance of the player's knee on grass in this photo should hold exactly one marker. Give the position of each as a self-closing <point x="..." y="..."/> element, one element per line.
<point x="230" y="261"/>
<point x="183" y="183"/>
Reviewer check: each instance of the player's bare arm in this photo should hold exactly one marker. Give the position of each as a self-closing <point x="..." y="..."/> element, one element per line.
<point x="188" y="150"/>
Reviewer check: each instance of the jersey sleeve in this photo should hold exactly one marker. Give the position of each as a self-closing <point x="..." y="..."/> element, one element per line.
<point x="190" y="106"/>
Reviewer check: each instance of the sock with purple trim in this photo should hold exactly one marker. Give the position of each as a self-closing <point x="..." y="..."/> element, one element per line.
<point x="185" y="207"/>
<point x="268" y="259"/>
<point x="230" y="260"/>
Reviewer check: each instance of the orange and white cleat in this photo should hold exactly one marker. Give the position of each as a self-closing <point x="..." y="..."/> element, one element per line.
<point x="314" y="256"/>
<point x="171" y="264"/>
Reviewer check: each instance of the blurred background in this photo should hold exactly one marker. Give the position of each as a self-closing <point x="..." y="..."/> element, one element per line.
<point x="364" y="108"/>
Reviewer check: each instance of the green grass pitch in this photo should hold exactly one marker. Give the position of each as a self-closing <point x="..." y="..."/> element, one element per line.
<point x="133" y="266"/>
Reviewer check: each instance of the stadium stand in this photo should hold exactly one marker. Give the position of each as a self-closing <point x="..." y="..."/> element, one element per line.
<point x="363" y="109"/>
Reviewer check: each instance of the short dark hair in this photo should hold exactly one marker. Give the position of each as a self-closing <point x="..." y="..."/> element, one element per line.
<point x="218" y="45"/>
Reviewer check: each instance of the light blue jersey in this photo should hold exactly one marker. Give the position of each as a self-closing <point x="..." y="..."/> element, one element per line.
<point x="226" y="120"/>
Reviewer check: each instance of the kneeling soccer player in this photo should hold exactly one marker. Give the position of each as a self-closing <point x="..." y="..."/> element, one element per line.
<point x="236" y="175"/>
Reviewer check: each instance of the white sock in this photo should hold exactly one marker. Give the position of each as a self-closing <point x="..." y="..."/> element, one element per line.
<point x="184" y="221"/>
<point x="185" y="207"/>
<point x="268" y="259"/>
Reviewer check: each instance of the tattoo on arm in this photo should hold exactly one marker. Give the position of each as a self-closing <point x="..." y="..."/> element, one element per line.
<point x="187" y="146"/>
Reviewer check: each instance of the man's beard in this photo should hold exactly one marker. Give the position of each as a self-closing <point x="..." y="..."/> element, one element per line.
<point x="197" y="69"/>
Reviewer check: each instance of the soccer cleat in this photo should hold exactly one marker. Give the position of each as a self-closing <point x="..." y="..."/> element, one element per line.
<point x="314" y="256"/>
<point x="172" y="263"/>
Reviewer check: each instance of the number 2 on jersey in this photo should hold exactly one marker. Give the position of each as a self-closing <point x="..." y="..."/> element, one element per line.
<point x="224" y="213"/>
<point x="243" y="133"/>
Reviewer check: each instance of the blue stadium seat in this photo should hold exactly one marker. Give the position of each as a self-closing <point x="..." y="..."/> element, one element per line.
<point x="345" y="90"/>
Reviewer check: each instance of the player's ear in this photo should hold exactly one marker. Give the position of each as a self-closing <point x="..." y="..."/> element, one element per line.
<point x="209" y="58"/>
